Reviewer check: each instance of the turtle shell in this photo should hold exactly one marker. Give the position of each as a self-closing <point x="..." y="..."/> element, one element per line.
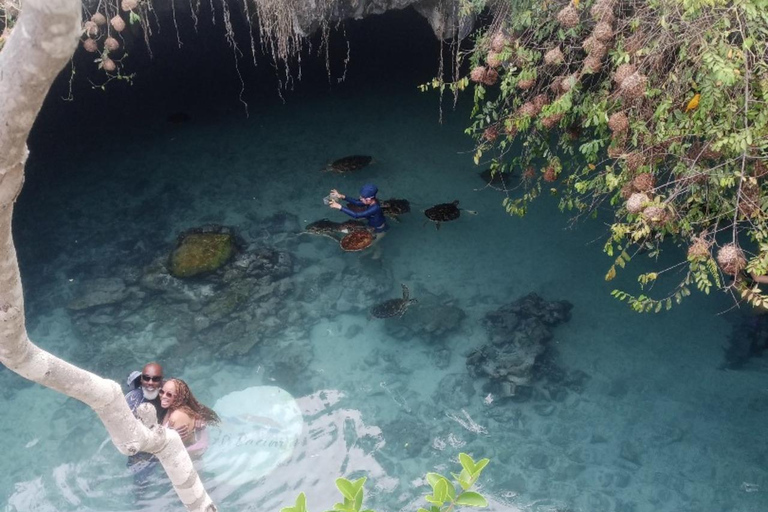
<point x="349" y="163"/>
<point x="388" y="309"/>
<point x="357" y="240"/>
<point x="393" y="307"/>
<point x="394" y="207"/>
<point x="443" y="212"/>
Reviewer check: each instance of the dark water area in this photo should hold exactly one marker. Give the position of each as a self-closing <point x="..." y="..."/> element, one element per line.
<point x="514" y="351"/>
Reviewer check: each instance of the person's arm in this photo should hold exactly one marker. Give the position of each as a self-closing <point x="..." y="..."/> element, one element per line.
<point x="352" y="200"/>
<point x="758" y="279"/>
<point x="201" y="443"/>
<point x="371" y="210"/>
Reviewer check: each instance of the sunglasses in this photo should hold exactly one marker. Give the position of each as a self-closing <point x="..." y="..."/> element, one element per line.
<point x="166" y="393"/>
<point x="151" y="378"/>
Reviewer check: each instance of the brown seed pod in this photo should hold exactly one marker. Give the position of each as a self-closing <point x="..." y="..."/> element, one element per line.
<point x="491" y="77"/>
<point x="592" y="64"/>
<point x="491" y="133"/>
<point x="129" y="5"/>
<point x="633" y="87"/>
<point x="731" y="259"/>
<point x="477" y="74"/>
<point x="498" y="42"/>
<point x="643" y="182"/>
<point x="602" y="10"/>
<point x="527" y="109"/>
<point x="90" y="45"/>
<point x="526" y="84"/>
<point x="626" y="191"/>
<point x="654" y="215"/>
<point x="618" y="123"/>
<point x="99" y="19"/>
<point x="637" y="201"/>
<point x="108" y="64"/>
<point x="594" y="47"/>
<point x="510" y="128"/>
<point x="615" y="151"/>
<point x="699" y="249"/>
<point x="568" y="16"/>
<point x="492" y="59"/>
<point x="557" y="84"/>
<point x="551" y="121"/>
<point x="603" y="32"/>
<point x="540" y="101"/>
<point x="554" y="57"/>
<point x="117" y="23"/>
<point x="550" y="175"/>
<point x="634" y="160"/>
<point x="749" y="202"/>
<point x="622" y="72"/>
<point x="91" y="29"/>
<point x="568" y="82"/>
<point x="111" y="44"/>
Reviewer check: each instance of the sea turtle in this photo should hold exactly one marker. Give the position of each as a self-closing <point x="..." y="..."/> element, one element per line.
<point x="445" y="212"/>
<point x="348" y="164"/>
<point x="393" y="208"/>
<point x="332" y="229"/>
<point x="357" y="240"/>
<point x="393" y="307"/>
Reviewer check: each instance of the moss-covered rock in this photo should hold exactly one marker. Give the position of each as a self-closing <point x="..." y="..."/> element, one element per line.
<point x="200" y="252"/>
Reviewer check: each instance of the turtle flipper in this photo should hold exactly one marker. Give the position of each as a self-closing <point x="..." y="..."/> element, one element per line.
<point x="437" y="225"/>
<point x="471" y="212"/>
<point x="406" y="293"/>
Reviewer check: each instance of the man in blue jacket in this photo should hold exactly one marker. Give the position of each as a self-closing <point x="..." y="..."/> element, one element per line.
<point x="376" y="220"/>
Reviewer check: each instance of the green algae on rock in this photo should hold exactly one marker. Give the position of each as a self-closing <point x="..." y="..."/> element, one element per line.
<point x="200" y="251"/>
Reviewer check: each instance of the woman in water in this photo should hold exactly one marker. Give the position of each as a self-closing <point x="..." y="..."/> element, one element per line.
<point x="371" y="208"/>
<point x="183" y="409"/>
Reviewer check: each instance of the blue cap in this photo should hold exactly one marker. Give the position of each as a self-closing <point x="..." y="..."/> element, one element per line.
<point x="369" y="190"/>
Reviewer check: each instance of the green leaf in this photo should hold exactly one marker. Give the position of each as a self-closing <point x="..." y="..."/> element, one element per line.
<point x="467" y="463"/>
<point x="346" y="488"/>
<point x="441" y="490"/>
<point x="479" y="466"/>
<point x="433" y="478"/>
<point x="471" y="499"/>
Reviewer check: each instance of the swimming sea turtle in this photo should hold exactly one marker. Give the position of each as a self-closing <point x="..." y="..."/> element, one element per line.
<point x="445" y="212"/>
<point x="393" y="208"/>
<point x="357" y="240"/>
<point x="332" y="229"/>
<point x="393" y="307"/>
<point x="348" y="164"/>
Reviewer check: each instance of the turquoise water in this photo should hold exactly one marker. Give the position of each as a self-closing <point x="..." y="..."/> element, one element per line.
<point x="630" y="413"/>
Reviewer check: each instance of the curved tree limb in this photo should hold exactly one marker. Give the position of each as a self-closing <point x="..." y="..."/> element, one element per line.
<point x="43" y="40"/>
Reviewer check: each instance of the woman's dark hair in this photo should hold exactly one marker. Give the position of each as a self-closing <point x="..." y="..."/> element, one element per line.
<point x="187" y="402"/>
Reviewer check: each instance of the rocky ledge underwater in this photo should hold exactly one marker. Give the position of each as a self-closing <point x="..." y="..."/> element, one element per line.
<point x="218" y="296"/>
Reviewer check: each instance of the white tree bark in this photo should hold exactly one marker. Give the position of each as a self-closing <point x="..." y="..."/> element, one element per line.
<point x="43" y="40"/>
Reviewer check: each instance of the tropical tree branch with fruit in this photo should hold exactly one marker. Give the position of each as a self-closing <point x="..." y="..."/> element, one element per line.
<point x="654" y="110"/>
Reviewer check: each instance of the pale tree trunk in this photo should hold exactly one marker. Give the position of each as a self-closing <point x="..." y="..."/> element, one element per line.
<point x="43" y="40"/>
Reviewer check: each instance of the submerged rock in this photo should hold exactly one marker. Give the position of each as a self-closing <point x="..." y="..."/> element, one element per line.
<point x="519" y="333"/>
<point x="202" y="250"/>
<point x="99" y="292"/>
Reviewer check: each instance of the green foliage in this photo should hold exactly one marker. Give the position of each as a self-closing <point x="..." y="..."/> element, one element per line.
<point x="443" y="498"/>
<point x="662" y="118"/>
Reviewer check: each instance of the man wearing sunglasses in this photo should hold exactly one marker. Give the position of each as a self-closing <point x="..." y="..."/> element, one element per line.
<point x="145" y="387"/>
